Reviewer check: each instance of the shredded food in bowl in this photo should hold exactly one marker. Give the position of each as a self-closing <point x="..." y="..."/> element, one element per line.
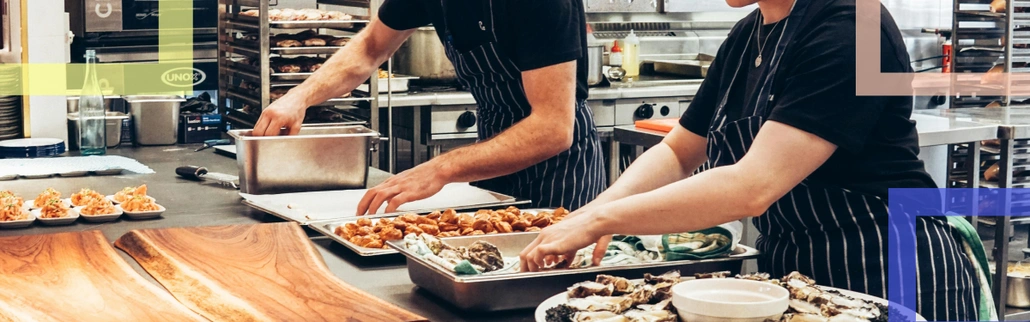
<point x="85" y="196"/>
<point x="47" y="195"/>
<point x="140" y="204"/>
<point x="129" y="192"/>
<point x="98" y="207"/>
<point x="1020" y="269"/>
<point x="54" y="208"/>
<point x="11" y="209"/>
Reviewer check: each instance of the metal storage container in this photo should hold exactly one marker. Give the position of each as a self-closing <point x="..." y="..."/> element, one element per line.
<point x="319" y="158"/>
<point x="155" y="119"/>
<point x="498" y="292"/>
<point x="112" y="103"/>
<point x="113" y="124"/>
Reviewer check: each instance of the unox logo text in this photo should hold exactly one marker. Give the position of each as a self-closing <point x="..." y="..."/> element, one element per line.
<point x="184" y="77"/>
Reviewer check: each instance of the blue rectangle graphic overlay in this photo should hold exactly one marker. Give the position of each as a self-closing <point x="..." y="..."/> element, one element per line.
<point x="907" y="206"/>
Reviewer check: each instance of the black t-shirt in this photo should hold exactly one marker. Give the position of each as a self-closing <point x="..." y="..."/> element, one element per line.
<point x="532" y="33"/>
<point x="814" y="91"/>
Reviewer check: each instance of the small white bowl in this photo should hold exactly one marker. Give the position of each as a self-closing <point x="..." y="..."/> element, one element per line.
<point x="15" y="224"/>
<point x="143" y="214"/>
<point x="103" y="218"/>
<point x="73" y="215"/>
<point x="729" y="300"/>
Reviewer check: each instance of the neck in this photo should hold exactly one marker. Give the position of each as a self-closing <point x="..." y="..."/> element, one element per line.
<point x="774" y="10"/>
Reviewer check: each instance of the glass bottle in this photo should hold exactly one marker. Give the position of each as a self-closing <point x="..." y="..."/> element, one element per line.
<point x="92" y="113"/>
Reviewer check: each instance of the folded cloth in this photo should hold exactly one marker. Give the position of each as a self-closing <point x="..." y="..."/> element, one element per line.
<point x="707" y="243"/>
<point x="974" y="249"/>
<point x="622" y="250"/>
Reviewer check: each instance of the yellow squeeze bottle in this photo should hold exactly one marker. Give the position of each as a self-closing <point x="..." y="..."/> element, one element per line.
<point x="631" y="55"/>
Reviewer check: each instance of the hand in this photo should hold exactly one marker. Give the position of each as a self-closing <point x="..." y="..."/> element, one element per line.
<point x="283" y="113"/>
<point x="419" y="183"/>
<point x="563" y="240"/>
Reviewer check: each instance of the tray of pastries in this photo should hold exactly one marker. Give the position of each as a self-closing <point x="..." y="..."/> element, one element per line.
<point x="288" y="18"/>
<point x="367" y="236"/>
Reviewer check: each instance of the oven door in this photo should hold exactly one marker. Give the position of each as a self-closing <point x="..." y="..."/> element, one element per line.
<point x="142" y="15"/>
<point x="202" y="76"/>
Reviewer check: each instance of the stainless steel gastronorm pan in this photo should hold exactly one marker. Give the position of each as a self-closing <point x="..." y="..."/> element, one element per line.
<point x="328" y="228"/>
<point x="527" y="290"/>
<point x="319" y="158"/>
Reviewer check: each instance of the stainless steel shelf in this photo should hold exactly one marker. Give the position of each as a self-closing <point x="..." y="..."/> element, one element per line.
<point x="347" y="3"/>
<point x="322" y="50"/>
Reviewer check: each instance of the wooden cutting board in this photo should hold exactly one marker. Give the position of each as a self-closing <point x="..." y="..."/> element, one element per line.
<point x="663" y="125"/>
<point x="77" y="277"/>
<point x="266" y="272"/>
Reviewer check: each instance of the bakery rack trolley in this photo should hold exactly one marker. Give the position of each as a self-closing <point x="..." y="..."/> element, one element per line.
<point x="978" y="45"/>
<point x="1011" y="153"/>
<point x="247" y="80"/>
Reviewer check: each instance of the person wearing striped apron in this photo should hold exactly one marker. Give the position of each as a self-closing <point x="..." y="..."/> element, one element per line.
<point x="525" y="63"/>
<point x="777" y="133"/>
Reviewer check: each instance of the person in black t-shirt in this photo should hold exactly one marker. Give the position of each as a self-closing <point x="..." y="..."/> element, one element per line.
<point x="780" y="135"/>
<point x="524" y="62"/>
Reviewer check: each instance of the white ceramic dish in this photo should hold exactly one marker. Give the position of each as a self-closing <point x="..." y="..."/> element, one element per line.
<point x="15" y="224"/>
<point x="38" y="176"/>
<point x="561" y="298"/>
<point x="111" y="198"/>
<point x="109" y="172"/>
<point x="103" y="218"/>
<point x="721" y="300"/>
<point x="143" y="214"/>
<point x="73" y="215"/>
<point x="74" y="174"/>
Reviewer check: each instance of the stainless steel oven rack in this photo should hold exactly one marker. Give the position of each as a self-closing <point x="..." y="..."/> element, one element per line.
<point x="242" y="106"/>
<point x="1011" y="152"/>
<point x="978" y="44"/>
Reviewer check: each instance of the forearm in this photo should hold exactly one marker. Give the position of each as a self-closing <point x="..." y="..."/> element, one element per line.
<point x="711" y="198"/>
<point x="519" y="147"/>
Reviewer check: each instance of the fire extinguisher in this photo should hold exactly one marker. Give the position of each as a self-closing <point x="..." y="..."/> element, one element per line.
<point x="947" y="56"/>
<point x="946" y="60"/>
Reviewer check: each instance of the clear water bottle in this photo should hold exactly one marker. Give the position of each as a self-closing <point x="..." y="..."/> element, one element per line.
<point x="92" y="114"/>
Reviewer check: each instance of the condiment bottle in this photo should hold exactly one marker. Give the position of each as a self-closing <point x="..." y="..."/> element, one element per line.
<point x="631" y="55"/>
<point x="615" y="60"/>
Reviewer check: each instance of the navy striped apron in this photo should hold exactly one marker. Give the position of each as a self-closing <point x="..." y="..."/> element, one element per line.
<point x="571" y="179"/>
<point x="837" y="236"/>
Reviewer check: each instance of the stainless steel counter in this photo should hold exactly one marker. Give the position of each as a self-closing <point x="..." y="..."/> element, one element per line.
<point x="203" y="204"/>
<point x="598" y="93"/>
<point x="933" y="130"/>
<point x="1013" y="122"/>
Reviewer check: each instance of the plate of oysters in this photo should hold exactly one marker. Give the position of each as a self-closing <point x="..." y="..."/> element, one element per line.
<point x="667" y="298"/>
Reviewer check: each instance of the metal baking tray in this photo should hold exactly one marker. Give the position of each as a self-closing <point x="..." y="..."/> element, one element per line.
<point x="291" y="76"/>
<point x="487" y="292"/>
<point x="328" y="228"/>
<point x="318" y="50"/>
<point x="341" y="24"/>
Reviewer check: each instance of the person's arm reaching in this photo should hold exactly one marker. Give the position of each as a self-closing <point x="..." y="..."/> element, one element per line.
<point x="679" y="154"/>
<point x="341" y="74"/>
<point x="746" y="189"/>
<point x="546" y="132"/>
